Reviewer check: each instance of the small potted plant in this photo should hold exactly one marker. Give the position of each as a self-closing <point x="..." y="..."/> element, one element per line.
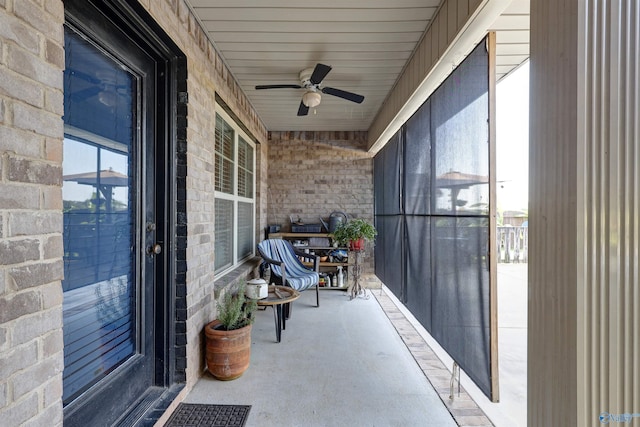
<point x="354" y="233"/>
<point x="228" y="338"/>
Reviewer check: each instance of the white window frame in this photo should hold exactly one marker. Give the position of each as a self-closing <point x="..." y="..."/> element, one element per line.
<point x="238" y="133"/>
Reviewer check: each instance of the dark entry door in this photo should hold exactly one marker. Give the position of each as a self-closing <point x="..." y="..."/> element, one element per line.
<point x="111" y="240"/>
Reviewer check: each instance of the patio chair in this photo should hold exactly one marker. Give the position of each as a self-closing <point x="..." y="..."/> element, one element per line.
<point x="286" y="267"/>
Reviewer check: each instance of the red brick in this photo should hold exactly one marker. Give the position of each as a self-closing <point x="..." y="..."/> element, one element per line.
<point x="19" y="305"/>
<point x="19" y="197"/>
<point x="35" y="16"/>
<point x="32" y="66"/>
<point x="34" y="275"/>
<point x="21" y="411"/>
<point x="21" y="88"/>
<point x="19" y="33"/>
<point x="19" y="251"/>
<point x="37" y="120"/>
<point x="20" y="142"/>
<point x="34" y="172"/>
<point x="54" y="54"/>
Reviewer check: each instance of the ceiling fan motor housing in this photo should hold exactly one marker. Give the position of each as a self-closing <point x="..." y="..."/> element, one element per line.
<point x="305" y="78"/>
<point x="311" y="97"/>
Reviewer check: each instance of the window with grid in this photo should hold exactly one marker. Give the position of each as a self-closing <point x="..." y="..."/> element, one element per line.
<point x="234" y="194"/>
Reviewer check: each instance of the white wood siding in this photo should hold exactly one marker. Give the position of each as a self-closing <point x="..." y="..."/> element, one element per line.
<point x="584" y="296"/>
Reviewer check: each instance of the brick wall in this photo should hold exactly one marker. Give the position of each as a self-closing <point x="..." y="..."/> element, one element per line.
<point x="312" y="174"/>
<point x="31" y="357"/>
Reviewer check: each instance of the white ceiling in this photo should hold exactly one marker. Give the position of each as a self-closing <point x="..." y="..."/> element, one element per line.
<point x="366" y="43"/>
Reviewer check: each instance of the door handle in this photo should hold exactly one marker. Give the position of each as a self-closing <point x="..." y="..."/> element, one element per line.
<point x="154" y="250"/>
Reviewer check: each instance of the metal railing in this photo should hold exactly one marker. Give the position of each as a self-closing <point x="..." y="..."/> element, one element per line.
<point x="513" y="244"/>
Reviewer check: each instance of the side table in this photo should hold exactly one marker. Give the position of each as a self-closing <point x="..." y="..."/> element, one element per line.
<point x="279" y="297"/>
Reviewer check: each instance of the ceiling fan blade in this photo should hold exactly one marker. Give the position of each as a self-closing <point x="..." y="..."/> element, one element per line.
<point x="350" y="96"/>
<point x="83" y="94"/>
<point x="303" y="110"/>
<point x="278" y="87"/>
<point x="319" y="73"/>
<point x="84" y="76"/>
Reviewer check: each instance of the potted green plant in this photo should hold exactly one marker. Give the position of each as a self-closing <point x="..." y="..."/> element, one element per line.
<point x="354" y="233"/>
<point x="228" y="338"/>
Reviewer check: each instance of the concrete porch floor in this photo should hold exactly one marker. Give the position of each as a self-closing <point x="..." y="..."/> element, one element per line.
<point x="364" y="362"/>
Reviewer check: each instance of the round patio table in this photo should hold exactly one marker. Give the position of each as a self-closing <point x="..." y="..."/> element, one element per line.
<point x="279" y="297"/>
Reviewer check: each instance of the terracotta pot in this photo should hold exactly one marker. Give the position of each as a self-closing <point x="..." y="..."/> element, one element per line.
<point x="227" y="352"/>
<point x="357" y="245"/>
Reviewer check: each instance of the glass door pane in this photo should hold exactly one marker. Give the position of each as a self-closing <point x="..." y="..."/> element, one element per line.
<point x="99" y="216"/>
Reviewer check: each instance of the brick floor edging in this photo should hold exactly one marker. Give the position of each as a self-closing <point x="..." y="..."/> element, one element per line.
<point x="464" y="410"/>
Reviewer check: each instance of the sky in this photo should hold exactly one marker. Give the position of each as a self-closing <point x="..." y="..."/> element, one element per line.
<point x="512" y="140"/>
<point x="81" y="158"/>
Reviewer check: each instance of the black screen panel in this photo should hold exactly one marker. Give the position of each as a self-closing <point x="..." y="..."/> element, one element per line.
<point x="418" y="263"/>
<point x="389" y="252"/>
<point x="460" y="132"/>
<point x="417" y="162"/>
<point x="437" y="263"/>
<point x="387" y="175"/>
<point x="460" y="297"/>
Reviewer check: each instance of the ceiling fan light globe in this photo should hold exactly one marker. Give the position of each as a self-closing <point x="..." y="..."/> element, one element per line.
<point x="311" y="99"/>
<point x="107" y="98"/>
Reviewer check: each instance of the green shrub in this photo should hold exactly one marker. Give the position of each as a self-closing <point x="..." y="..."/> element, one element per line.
<point x="235" y="311"/>
<point x="353" y="230"/>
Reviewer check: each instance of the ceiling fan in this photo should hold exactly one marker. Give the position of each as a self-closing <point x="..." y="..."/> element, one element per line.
<point x="103" y="84"/>
<point x="310" y="80"/>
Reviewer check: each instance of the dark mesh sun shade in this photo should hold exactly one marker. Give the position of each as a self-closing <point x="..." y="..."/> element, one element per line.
<point x="432" y="212"/>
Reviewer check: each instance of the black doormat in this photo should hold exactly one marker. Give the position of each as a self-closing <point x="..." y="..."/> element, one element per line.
<point x="202" y="415"/>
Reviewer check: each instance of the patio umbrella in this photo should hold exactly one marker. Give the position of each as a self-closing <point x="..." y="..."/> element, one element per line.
<point x="104" y="180"/>
<point x="456" y="181"/>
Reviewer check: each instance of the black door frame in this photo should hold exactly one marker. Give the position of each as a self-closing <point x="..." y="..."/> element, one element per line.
<point x="169" y="171"/>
